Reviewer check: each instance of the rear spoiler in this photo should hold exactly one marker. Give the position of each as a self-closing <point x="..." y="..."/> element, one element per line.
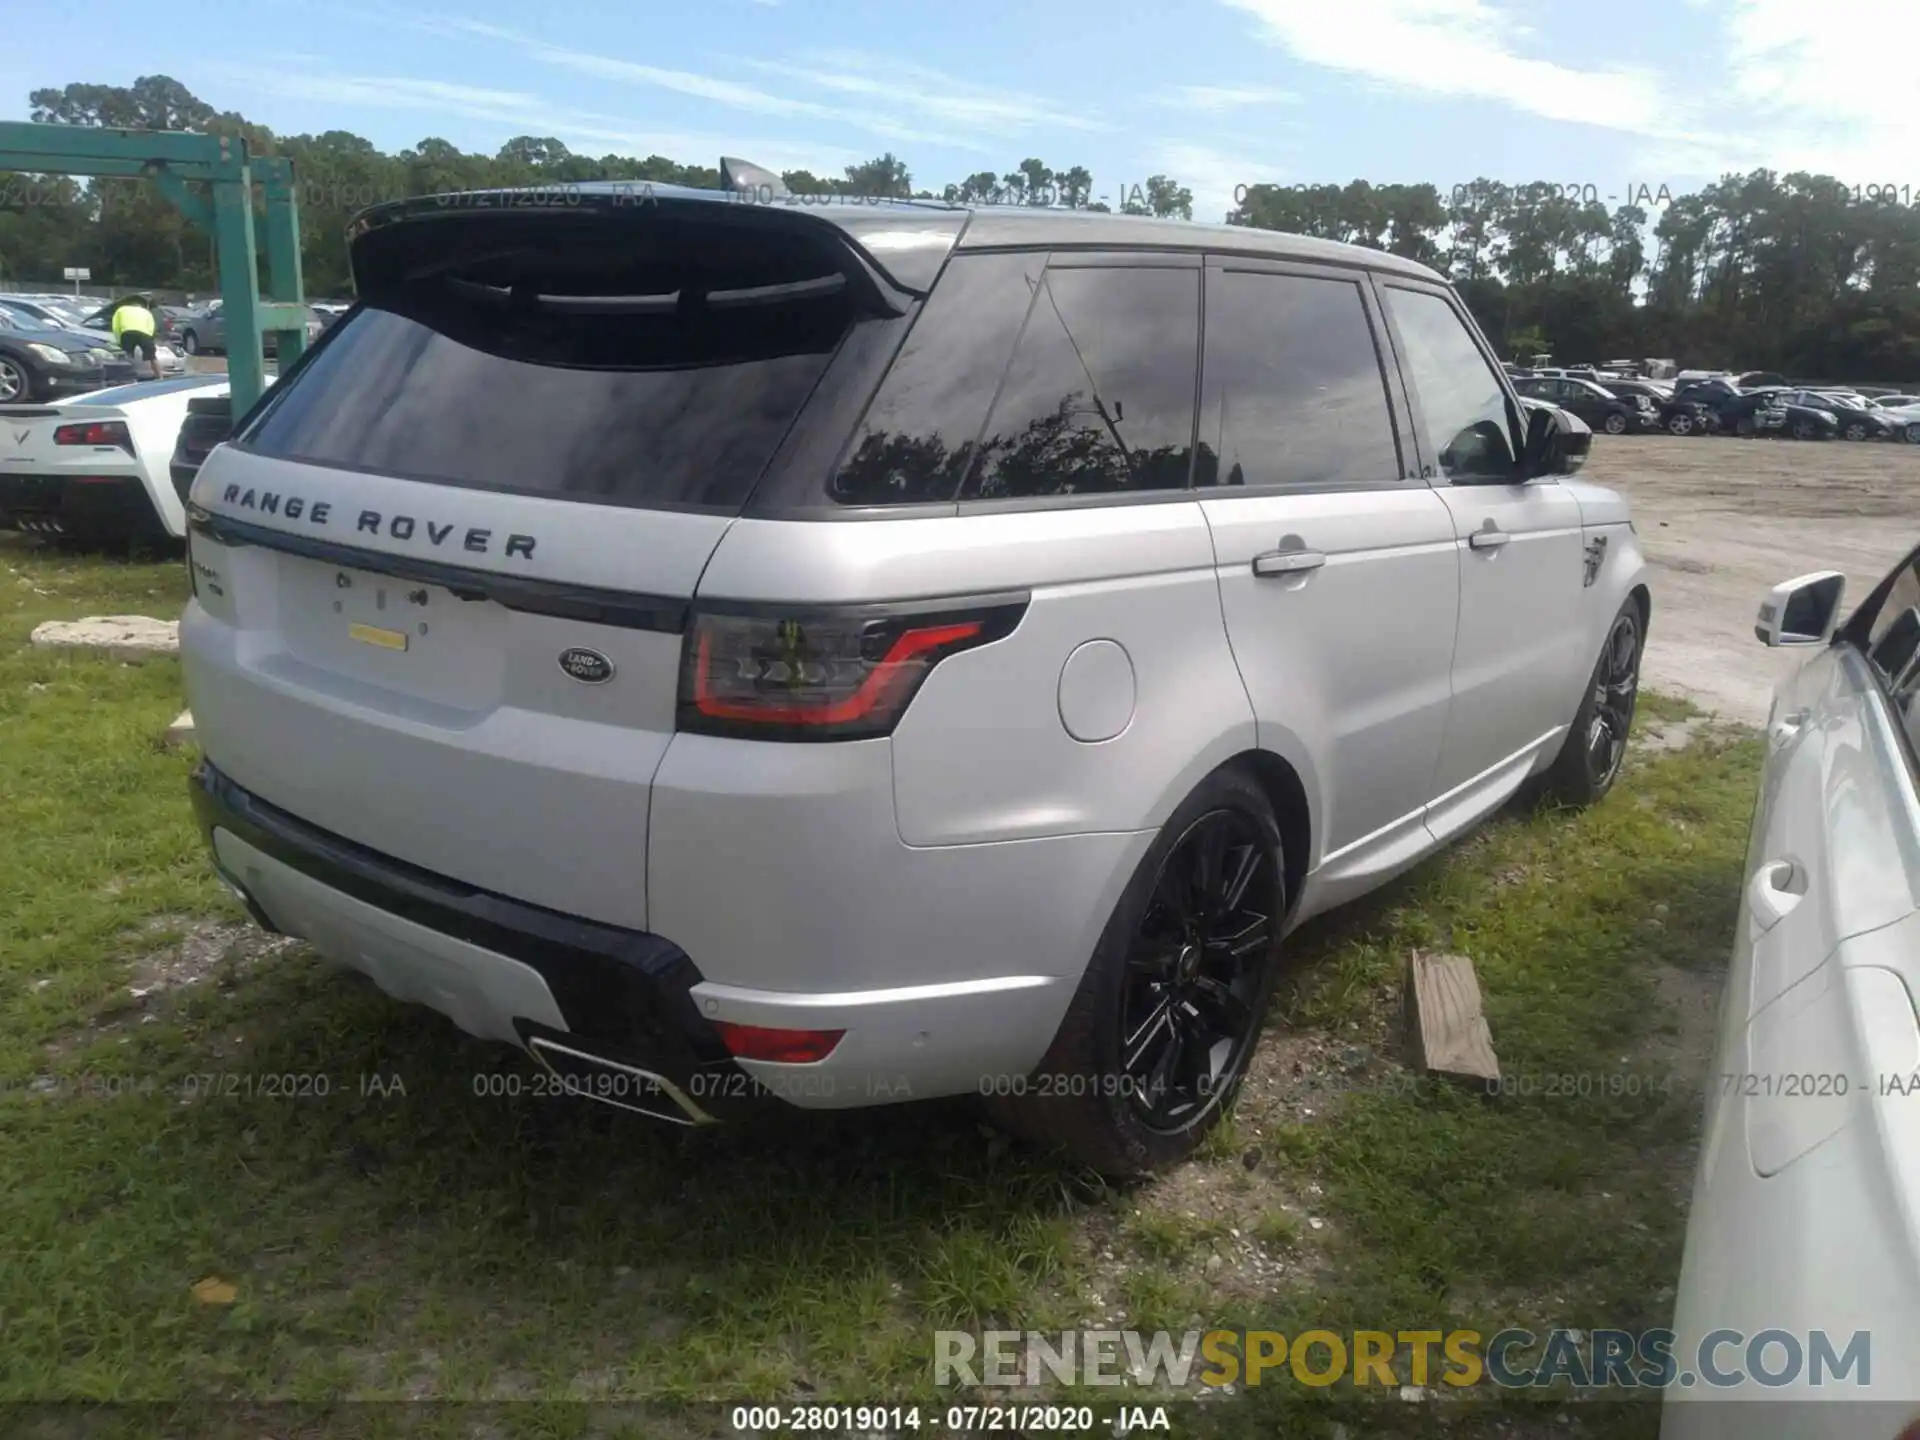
<point x="898" y="246"/>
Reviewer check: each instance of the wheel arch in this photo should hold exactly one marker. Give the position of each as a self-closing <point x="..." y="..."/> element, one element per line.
<point x="1288" y="796"/>
<point x="1642" y="598"/>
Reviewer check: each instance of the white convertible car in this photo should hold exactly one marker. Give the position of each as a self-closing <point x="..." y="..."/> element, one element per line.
<point x="94" y="468"/>
<point x="1801" y="1282"/>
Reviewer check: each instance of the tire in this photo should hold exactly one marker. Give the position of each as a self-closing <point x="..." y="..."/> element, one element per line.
<point x="1745" y="427"/>
<point x="1803" y="430"/>
<point x="16" y="381"/>
<point x="1855" y="432"/>
<point x="1913" y="433"/>
<point x="1615" y="424"/>
<point x="190" y="343"/>
<point x="1596" y="745"/>
<point x="1680" y="424"/>
<point x="1152" y="960"/>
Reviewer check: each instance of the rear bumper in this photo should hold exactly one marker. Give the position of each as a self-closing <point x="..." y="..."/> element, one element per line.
<point x="101" y="507"/>
<point x="503" y="969"/>
<point x="498" y="968"/>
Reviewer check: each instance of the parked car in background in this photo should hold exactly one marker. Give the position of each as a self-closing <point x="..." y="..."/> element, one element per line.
<point x="39" y="362"/>
<point x="1787" y="412"/>
<point x="1894" y="402"/>
<point x="1035" y="825"/>
<point x="1858" y="420"/>
<point x="205" y="330"/>
<point x="1687" y="378"/>
<point x="1806" y="1194"/>
<point x="1676" y="417"/>
<point x="1906" y="421"/>
<point x="1736" y="412"/>
<point x="1598" y="407"/>
<point x="46" y="312"/>
<point x="1757" y="379"/>
<point x="172" y="362"/>
<point x="95" y="469"/>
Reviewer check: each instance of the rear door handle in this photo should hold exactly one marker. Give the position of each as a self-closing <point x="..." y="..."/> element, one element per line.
<point x="1488" y="539"/>
<point x="1776" y="887"/>
<point x="1288" y="562"/>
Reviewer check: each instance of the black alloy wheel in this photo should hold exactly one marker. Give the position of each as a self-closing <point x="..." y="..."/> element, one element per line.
<point x="1616" y="686"/>
<point x="1189" y="1009"/>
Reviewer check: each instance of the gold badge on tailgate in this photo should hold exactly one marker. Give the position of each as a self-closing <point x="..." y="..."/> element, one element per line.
<point x="374" y="635"/>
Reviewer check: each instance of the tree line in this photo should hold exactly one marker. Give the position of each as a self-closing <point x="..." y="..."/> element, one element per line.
<point x="1793" y="272"/>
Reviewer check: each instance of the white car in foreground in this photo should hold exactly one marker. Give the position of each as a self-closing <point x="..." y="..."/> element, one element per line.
<point x="1806" y="1204"/>
<point x="94" y="468"/>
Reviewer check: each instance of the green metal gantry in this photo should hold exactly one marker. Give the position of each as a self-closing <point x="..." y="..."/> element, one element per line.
<point x="179" y="163"/>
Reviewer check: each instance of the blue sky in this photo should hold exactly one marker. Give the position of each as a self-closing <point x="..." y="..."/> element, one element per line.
<point x="1212" y="92"/>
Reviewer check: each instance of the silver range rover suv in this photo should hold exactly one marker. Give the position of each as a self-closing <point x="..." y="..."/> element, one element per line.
<point x="749" y="651"/>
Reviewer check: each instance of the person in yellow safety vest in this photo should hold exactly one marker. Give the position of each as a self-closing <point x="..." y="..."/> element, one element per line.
<point x="134" y="327"/>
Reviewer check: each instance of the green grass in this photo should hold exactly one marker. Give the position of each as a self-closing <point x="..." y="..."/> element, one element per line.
<point x="432" y="1241"/>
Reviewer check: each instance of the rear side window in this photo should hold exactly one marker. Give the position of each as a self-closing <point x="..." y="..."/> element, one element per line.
<point x="917" y="441"/>
<point x="1462" y="406"/>
<point x="1099" y="396"/>
<point x="638" y="367"/>
<point x="1294" y="390"/>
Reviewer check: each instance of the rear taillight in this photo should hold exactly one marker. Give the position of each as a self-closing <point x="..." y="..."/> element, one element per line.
<point x="95" y="432"/>
<point x="822" y="675"/>
<point x="785" y="1047"/>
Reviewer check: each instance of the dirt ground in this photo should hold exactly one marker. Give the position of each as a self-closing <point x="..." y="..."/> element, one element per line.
<point x="1724" y="520"/>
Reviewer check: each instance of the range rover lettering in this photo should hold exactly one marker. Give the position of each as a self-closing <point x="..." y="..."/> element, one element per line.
<point x="1013" y="625"/>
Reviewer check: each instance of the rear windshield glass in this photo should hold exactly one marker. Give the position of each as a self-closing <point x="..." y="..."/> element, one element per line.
<point x="645" y="389"/>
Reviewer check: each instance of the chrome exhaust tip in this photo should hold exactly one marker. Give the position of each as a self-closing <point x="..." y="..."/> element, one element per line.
<point x="615" y="1083"/>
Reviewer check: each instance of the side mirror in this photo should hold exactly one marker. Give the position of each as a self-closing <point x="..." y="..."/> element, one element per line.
<point x="1557" y="443"/>
<point x="1802" y="611"/>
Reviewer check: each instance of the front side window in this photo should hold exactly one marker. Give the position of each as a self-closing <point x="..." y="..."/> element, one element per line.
<point x="1469" y="430"/>
<point x="1294" y="390"/>
<point x="1099" y="397"/>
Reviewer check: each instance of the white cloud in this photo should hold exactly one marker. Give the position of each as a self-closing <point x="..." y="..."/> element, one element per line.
<point x="1826" y="90"/>
<point x="1212" y="174"/>
<point x="1216" y="98"/>
<point x="730" y="93"/>
<point x="974" y="107"/>
<point x="517" y="112"/>
<point x="1460" y="49"/>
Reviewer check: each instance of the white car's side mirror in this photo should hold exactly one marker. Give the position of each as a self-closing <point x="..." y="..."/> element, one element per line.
<point x="1801" y="611"/>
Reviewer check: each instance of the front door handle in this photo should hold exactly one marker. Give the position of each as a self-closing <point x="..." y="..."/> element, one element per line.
<point x="1288" y="562"/>
<point x="1774" y="890"/>
<point x="1488" y="539"/>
